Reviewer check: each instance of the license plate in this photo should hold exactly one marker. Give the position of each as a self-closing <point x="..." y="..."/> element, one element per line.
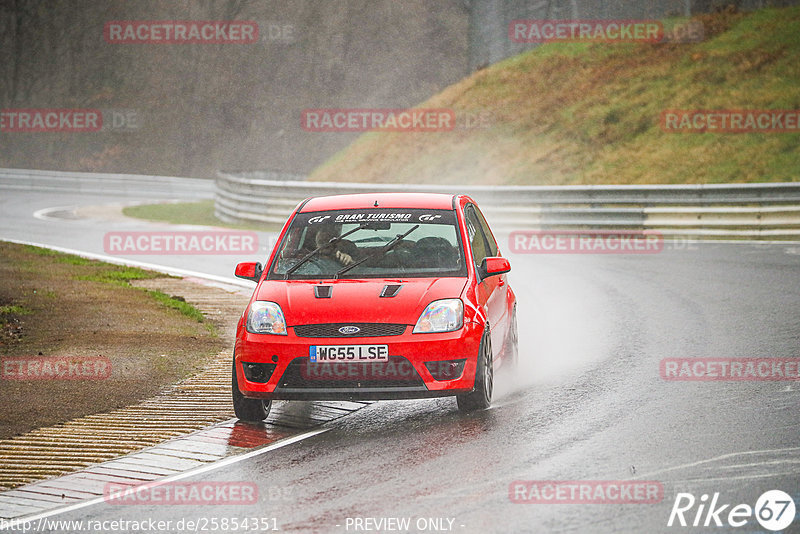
<point x="348" y="353"/>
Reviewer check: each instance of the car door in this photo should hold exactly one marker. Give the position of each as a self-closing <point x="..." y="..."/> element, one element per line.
<point x="492" y="290"/>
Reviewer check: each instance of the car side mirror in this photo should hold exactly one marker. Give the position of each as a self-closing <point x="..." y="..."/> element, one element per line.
<point x="494" y="266"/>
<point x="249" y="271"/>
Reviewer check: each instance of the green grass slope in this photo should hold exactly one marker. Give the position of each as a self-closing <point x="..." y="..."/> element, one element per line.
<point x="576" y="113"/>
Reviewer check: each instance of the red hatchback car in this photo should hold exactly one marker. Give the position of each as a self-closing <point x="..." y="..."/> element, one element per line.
<point x="376" y="296"/>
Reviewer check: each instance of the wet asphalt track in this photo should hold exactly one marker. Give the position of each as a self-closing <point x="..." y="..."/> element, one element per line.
<point x="586" y="404"/>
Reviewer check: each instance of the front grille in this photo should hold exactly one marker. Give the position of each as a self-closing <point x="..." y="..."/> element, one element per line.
<point x="398" y="372"/>
<point x="365" y="330"/>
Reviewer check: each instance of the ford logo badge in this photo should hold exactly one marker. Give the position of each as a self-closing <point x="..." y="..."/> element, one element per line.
<point x="349" y="330"/>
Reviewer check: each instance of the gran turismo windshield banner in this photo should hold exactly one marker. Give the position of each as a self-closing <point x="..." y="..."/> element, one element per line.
<point x="377" y="215"/>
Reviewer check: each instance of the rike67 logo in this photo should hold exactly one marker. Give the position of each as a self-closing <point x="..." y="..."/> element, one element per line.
<point x="774" y="510"/>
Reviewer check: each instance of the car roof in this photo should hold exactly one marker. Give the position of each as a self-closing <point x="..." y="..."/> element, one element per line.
<point x="434" y="201"/>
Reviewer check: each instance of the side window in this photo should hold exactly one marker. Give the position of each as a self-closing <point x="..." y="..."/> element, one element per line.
<point x="475" y="232"/>
<point x="492" y="244"/>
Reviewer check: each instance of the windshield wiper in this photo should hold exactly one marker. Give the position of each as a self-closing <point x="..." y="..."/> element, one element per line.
<point x="314" y="252"/>
<point x="382" y="251"/>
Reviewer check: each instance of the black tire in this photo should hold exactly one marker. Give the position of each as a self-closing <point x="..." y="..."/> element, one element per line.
<point x="481" y="396"/>
<point x="248" y="410"/>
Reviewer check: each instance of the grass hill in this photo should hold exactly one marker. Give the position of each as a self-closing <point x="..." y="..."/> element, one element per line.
<point x="578" y="113"/>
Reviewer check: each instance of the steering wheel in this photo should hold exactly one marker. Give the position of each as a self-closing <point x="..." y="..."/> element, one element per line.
<point x="317" y="265"/>
<point x="324" y="265"/>
<point x="399" y="258"/>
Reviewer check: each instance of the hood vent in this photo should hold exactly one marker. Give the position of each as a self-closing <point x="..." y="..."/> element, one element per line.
<point x="390" y="290"/>
<point x="323" y="292"/>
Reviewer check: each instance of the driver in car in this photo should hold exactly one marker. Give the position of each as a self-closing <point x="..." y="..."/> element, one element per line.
<point x="342" y="251"/>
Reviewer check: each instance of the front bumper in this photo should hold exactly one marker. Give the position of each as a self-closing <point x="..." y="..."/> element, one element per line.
<point x="285" y="361"/>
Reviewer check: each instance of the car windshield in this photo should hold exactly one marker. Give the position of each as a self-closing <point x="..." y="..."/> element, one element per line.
<point x="373" y="243"/>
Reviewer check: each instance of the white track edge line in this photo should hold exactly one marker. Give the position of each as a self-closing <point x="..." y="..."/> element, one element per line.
<point x="199" y="470"/>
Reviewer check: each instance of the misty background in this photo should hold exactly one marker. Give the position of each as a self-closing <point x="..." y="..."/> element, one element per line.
<point x="192" y="109"/>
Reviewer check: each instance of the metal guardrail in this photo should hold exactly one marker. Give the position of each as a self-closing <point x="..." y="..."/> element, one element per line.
<point x="102" y="183"/>
<point x="766" y="211"/>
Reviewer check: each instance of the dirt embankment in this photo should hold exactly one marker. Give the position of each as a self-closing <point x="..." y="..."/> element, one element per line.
<point x="61" y="308"/>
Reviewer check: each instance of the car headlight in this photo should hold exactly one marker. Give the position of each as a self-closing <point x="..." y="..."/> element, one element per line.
<point x="441" y="316"/>
<point x="266" y="318"/>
